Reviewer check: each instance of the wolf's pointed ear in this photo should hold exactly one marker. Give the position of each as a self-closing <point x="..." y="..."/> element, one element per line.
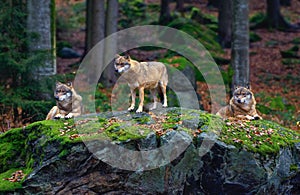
<point x="69" y="84"/>
<point x="248" y="86"/>
<point x="57" y="83"/>
<point x="127" y="57"/>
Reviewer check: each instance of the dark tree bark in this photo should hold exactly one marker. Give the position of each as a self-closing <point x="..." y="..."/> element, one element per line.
<point x="240" y="43"/>
<point x="165" y="16"/>
<point x="95" y="23"/>
<point x="225" y="23"/>
<point x="108" y="77"/>
<point x="214" y="3"/>
<point x="274" y="19"/>
<point x="285" y="2"/>
<point x="180" y="5"/>
<point x="95" y="32"/>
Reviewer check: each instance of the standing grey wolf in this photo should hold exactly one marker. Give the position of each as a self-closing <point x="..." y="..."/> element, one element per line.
<point x="143" y="75"/>
<point x="68" y="102"/>
<point x="241" y="105"/>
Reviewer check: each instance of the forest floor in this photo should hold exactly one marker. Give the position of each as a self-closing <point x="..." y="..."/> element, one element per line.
<point x="270" y="78"/>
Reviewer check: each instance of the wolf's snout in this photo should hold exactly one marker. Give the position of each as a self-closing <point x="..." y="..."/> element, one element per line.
<point x="239" y="101"/>
<point x="56" y="97"/>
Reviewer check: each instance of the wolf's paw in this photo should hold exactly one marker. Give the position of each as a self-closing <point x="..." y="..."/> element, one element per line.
<point x="139" y="110"/>
<point x="249" y="117"/>
<point x="58" y="116"/>
<point x="130" y="109"/>
<point x="68" y="116"/>
<point x="165" y="105"/>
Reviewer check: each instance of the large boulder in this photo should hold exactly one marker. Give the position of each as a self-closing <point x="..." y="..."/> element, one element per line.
<point x="199" y="160"/>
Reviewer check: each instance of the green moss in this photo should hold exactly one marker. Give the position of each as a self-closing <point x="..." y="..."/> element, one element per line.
<point x="143" y="120"/>
<point x="294" y="167"/>
<point x="23" y="148"/>
<point x="263" y="137"/>
<point x="116" y="132"/>
<point x="6" y="186"/>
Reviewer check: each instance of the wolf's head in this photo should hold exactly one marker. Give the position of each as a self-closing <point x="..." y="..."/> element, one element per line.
<point x="243" y="96"/>
<point x="122" y="63"/>
<point x="62" y="91"/>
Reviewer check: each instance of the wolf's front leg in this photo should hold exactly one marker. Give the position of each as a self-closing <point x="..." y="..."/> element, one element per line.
<point x="141" y="104"/>
<point x="245" y="117"/>
<point x="164" y="91"/>
<point x="133" y="95"/>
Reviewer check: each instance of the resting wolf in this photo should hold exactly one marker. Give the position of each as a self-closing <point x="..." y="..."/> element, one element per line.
<point x="242" y="105"/>
<point x="68" y="102"/>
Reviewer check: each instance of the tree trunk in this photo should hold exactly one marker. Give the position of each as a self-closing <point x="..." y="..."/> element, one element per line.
<point x="274" y="19"/>
<point x="285" y="2"/>
<point x="180" y="5"/>
<point x="225" y="23"/>
<point x="214" y="3"/>
<point x="95" y="32"/>
<point x="40" y="21"/>
<point x="95" y="23"/>
<point x="240" y="43"/>
<point x="165" y="16"/>
<point x="108" y="77"/>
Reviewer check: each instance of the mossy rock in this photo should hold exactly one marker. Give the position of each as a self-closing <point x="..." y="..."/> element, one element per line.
<point x="25" y="148"/>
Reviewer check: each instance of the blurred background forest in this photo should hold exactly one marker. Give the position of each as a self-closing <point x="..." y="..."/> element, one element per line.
<point x="29" y="66"/>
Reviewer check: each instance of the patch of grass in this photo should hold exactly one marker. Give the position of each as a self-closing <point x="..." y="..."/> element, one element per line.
<point x="180" y="63"/>
<point x="202" y="18"/>
<point x="290" y="61"/>
<point x="272" y="43"/>
<point x="290" y="53"/>
<point x="200" y="32"/>
<point x="296" y="40"/>
<point x="254" y="37"/>
<point x="257" y="18"/>
<point x="102" y="102"/>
